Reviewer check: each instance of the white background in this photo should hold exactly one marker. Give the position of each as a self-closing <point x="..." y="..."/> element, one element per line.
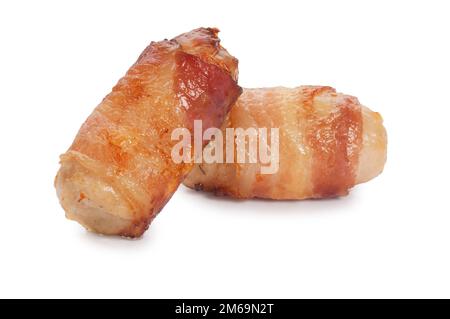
<point x="389" y="238"/>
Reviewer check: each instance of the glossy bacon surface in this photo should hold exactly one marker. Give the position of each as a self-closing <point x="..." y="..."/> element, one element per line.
<point x="118" y="173"/>
<point x="328" y="142"/>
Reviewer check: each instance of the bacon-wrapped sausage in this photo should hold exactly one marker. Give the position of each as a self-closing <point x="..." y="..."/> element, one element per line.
<point x="118" y="173"/>
<point x="328" y="142"/>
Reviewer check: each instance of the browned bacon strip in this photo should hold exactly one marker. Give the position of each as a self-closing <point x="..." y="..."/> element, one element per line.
<point x="335" y="140"/>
